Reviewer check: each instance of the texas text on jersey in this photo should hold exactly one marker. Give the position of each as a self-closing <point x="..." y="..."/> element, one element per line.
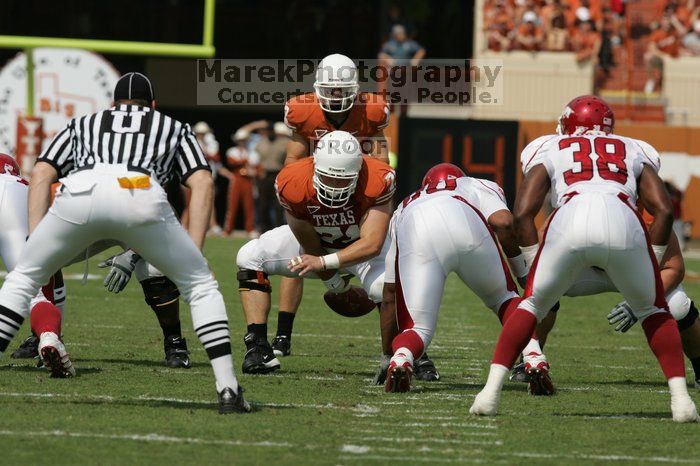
<point x="337" y="227"/>
<point x="304" y="115"/>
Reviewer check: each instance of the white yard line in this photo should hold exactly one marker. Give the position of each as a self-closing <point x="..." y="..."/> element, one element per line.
<point x="572" y="456"/>
<point x="152" y="437"/>
<point x="420" y="440"/>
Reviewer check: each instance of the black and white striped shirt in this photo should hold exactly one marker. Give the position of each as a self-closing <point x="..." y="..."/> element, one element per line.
<point x="140" y="137"/>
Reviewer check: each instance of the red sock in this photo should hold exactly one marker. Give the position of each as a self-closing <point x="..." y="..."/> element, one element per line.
<point x="409" y="339"/>
<point x="665" y="341"/>
<point x="45" y="317"/>
<point x="507" y="309"/>
<point x="514" y="337"/>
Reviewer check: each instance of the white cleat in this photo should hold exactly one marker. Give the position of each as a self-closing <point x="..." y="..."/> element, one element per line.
<point x="54" y="356"/>
<point x="485" y="404"/>
<point x="684" y="410"/>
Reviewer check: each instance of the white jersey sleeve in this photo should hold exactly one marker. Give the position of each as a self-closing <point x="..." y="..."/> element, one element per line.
<point x="489" y="196"/>
<point x="534" y="153"/>
<point x="647" y="155"/>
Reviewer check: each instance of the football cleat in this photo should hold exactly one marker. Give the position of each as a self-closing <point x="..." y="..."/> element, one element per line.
<point x="54" y="356"/>
<point x="230" y="402"/>
<point x="282" y="346"/>
<point x="28" y="349"/>
<point x="259" y="357"/>
<point x="398" y="378"/>
<point x="176" y="353"/>
<point x="518" y="374"/>
<point x="537" y="369"/>
<point x="425" y="370"/>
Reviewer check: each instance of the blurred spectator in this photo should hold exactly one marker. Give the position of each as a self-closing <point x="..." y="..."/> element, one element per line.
<point x="242" y="166"/>
<point x="272" y="154"/>
<point x="400" y="50"/>
<point x="691" y="41"/>
<point x="586" y="43"/>
<point x="397" y="18"/>
<point x="554" y="24"/>
<point x="210" y="147"/>
<point x="498" y="24"/>
<point x="664" y="41"/>
<point x="528" y="35"/>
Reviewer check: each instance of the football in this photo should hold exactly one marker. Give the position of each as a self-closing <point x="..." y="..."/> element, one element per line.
<point x="352" y="303"/>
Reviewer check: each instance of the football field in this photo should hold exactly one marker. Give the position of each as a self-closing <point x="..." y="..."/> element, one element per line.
<point x="126" y="407"/>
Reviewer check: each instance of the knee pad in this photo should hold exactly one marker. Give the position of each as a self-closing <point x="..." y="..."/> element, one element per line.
<point x="248" y="255"/>
<point x="159" y="291"/>
<point x="253" y="280"/>
<point x="689" y="319"/>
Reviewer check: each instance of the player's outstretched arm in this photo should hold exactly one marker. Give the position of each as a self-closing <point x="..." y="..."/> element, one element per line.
<point x="373" y="230"/>
<point x="43" y="176"/>
<point x="655" y="198"/>
<point x="297" y="149"/>
<point x="501" y="222"/>
<point x="528" y="203"/>
<point x="201" y="204"/>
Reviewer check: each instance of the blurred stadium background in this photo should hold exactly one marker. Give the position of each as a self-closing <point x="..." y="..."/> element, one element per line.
<point x="643" y="56"/>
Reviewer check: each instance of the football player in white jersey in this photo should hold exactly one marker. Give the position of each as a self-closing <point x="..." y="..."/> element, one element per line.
<point x="451" y="224"/>
<point x="595" y="178"/>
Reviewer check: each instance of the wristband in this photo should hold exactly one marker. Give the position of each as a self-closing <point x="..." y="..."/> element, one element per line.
<point x="330" y="262"/>
<point x="518" y="265"/>
<point x="659" y="251"/>
<point x="529" y="253"/>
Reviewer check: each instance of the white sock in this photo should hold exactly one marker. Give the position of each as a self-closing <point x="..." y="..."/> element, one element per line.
<point x="678" y="387"/>
<point x="497" y="376"/>
<point x="403" y="353"/>
<point x="533" y="346"/>
<point x="223" y="372"/>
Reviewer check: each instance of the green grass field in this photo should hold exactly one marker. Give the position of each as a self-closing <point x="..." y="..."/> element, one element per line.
<point x="126" y="407"/>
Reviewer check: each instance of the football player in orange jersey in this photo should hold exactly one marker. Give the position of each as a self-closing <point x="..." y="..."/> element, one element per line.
<point x="335" y="104"/>
<point x="338" y="206"/>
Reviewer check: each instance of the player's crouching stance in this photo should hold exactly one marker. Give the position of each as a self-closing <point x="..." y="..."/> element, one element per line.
<point x="448" y="226"/>
<point x="338" y="207"/>
<point x="595" y="178"/>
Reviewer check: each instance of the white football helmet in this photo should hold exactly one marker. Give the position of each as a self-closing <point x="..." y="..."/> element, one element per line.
<point x="337" y="165"/>
<point x="336" y="83"/>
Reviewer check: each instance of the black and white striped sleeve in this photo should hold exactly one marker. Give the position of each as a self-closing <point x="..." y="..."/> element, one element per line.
<point x="189" y="157"/>
<point x="60" y="153"/>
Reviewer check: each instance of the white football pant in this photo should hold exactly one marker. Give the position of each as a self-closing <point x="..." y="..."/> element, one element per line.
<point x="275" y="248"/>
<point x="595" y="230"/>
<point x="432" y="240"/>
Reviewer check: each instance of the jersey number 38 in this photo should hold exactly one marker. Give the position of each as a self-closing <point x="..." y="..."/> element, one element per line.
<point x="610" y="164"/>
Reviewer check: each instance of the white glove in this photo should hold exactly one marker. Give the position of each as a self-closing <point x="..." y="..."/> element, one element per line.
<point x="122" y="266"/>
<point x="623" y="316"/>
<point x="337" y="284"/>
<point x="380" y="375"/>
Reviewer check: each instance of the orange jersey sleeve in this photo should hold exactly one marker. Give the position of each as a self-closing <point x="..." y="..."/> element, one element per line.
<point x="303" y="115"/>
<point x="293" y="187"/>
<point x="379" y="184"/>
<point x="377" y="110"/>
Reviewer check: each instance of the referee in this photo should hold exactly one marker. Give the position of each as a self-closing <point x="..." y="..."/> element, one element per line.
<point x="112" y="165"/>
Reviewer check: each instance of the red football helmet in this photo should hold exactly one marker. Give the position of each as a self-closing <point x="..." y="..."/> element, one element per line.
<point x="442" y="172"/>
<point x="586" y="113"/>
<point x="8" y="165"/>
